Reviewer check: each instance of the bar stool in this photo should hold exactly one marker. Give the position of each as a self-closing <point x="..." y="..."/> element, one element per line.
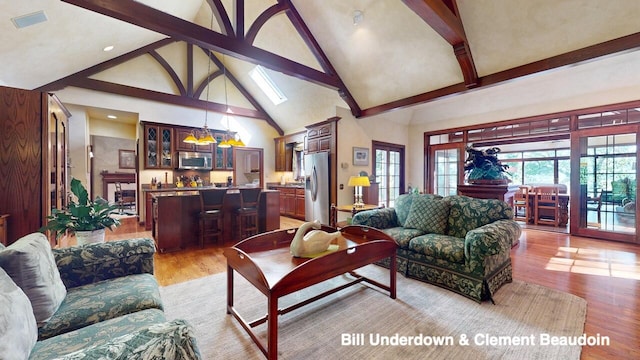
<point x="247" y="213"/>
<point x="211" y="214"/>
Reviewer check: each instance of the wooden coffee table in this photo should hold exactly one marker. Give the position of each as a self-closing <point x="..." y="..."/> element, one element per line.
<point x="264" y="260"/>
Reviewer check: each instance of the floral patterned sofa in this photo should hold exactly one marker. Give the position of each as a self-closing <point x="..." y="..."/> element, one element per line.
<point x="456" y="242"/>
<point x="96" y="301"/>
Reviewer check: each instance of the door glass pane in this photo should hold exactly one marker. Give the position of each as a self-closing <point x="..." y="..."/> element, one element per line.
<point x="446" y="172"/>
<point x="608" y="189"/>
<point x="388" y="168"/>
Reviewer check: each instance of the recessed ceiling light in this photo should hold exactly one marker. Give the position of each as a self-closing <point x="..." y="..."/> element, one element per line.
<point x="112" y="116"/>
<point x="108" y="48"/>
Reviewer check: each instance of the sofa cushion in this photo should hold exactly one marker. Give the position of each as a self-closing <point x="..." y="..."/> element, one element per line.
<point x="18" y="329"/>
<point x="468" y="213"/>
<point x="439" y="246"/>
<point x="168" y="340"/>
<point x="96" y="334"/>
<point x="402" y="235"/>
<point x="403" y="206"/>
<point x="31" y="265"/>
<point x="428" y="214"/>
<point x="108" y="299"/>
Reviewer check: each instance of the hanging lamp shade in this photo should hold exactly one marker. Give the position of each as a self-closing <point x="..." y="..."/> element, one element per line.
<point x="190" y="139"/>
<point x="209" y="138"/>
<point x="224" y="144"/>
<point x="239" y="142"/>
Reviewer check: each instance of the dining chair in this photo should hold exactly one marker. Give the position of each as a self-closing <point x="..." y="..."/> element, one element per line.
<point x="211" y="224"/>
<point x="521" y="206"/>
<point x="126" y="199"/>
<point x="547" y="205"/>
<point x="247" y="213"/>
<point x="595" y="204"/>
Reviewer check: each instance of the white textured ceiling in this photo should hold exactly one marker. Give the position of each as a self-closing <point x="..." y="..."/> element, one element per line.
<point x="393" y="54"/>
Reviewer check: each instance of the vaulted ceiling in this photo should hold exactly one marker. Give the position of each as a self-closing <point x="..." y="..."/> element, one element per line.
<point x="402" y="54"/>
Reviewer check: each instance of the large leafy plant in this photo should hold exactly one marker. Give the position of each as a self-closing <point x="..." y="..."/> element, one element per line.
<point x="81" y="214"/>
<point x="485" y="165"/>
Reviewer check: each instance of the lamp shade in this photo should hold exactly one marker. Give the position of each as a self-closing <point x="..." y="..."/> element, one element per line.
<point x="359" y="181"/>
<point x="190" y="139"/>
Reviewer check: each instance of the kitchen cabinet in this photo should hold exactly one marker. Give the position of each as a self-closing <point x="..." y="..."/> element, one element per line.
<point x="299" y="199"/>
<point x="223" y="157"/>
<point x="320" y="137"/>
<point x="291" y="201"/>
<point x="158" y="146"/>
<point x="148" y="209"/>
<point x="181" y="133"/>
<point x="284" y="146"/>
<point x="281" y="162"/>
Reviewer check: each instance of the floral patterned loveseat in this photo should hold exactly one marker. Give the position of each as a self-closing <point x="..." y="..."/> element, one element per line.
<point x="96" y="301"/>
<point x="456" y="242"/>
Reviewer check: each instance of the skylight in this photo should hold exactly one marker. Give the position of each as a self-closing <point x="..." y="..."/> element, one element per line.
<point x="267" y="85"/>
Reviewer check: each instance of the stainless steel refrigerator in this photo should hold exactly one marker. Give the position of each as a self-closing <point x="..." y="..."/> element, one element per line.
<point x="317" y="180"/>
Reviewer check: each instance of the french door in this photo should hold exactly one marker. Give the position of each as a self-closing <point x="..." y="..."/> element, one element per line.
<point x="604" y="195"/>
<point x="444" y="165"/>
<point x="388" y="171"/>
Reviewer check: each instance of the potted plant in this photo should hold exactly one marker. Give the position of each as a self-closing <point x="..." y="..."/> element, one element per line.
<point x="483" y="166"/>
<point x="85" y="218"/>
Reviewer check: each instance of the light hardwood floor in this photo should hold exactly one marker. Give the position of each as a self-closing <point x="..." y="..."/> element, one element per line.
<point x="604" y="273"/>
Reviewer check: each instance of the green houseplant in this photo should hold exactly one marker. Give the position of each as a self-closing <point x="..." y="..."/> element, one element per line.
<point x="85" y="218"/>
<point x="483" y="166"/>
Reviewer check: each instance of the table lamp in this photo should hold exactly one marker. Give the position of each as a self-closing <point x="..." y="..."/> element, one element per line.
<point x="358" y="182"/>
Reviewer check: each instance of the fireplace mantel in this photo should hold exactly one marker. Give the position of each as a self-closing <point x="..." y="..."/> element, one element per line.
<point x="112" y="178"/>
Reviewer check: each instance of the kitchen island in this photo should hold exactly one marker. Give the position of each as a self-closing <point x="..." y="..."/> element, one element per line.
<point x="175" y="216"/>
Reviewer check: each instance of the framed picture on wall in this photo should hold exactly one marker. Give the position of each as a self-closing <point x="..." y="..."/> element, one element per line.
<point x="360" y="156"/>
<point x="126" y="159"/>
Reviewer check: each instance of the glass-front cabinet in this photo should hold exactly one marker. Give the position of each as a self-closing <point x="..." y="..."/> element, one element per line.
<point x="158" y="147"/>
<point x="223" y="156"/>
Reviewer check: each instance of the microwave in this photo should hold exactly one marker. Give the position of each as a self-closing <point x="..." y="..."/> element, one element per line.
<point x="195" y="160"/>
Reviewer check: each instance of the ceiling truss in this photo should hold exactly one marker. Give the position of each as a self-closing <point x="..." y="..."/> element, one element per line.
<point x="441" y="15"/>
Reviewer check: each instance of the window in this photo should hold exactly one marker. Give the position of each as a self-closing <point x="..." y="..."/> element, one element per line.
<point x="388" y="171"/>
<point x="267" y="85"/>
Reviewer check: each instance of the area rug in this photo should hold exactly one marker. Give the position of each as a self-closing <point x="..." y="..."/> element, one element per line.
<point x="361" y="322"/>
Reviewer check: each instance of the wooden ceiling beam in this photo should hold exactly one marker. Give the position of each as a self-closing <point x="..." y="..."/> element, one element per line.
<point x="623" y="44"/>
<point x="443" y="18"/>
<point x="243" y="91"/>
<point x="152" y="19"/>
<point x="103" y="86"/>
<point x="320" y="56"/>
<point x="61" y="83"/>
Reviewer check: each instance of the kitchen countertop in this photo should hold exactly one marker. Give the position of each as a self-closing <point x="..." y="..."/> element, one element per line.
<point x="287" y="185"/>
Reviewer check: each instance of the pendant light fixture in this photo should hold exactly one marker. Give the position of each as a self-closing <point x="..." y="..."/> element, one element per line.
<point x="228" y="141"/>
<point x="204" y="135"/>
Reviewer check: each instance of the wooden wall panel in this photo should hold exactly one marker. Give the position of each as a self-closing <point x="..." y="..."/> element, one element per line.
<point x="21" y="160"/>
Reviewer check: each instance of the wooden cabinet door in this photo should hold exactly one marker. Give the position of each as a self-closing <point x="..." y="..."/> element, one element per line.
<point x="280" y="154"/>
<point x="158" y="147"/>
<point x="300" y="213"/>
<point x="180" y="135"/>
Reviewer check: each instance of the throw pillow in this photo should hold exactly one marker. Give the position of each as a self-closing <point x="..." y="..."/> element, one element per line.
<point x="428" y="214"/>
<point x="18" y="330"/>
<point x="403" y="206"/>
<point x="30" y="264"/>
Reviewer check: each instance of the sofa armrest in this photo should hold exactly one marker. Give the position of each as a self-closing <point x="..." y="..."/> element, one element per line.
<point x="377" y="218"/>
<point x="168" y="340"/>
<point x="491" y="239"/>
<point x="81" y="265"/>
